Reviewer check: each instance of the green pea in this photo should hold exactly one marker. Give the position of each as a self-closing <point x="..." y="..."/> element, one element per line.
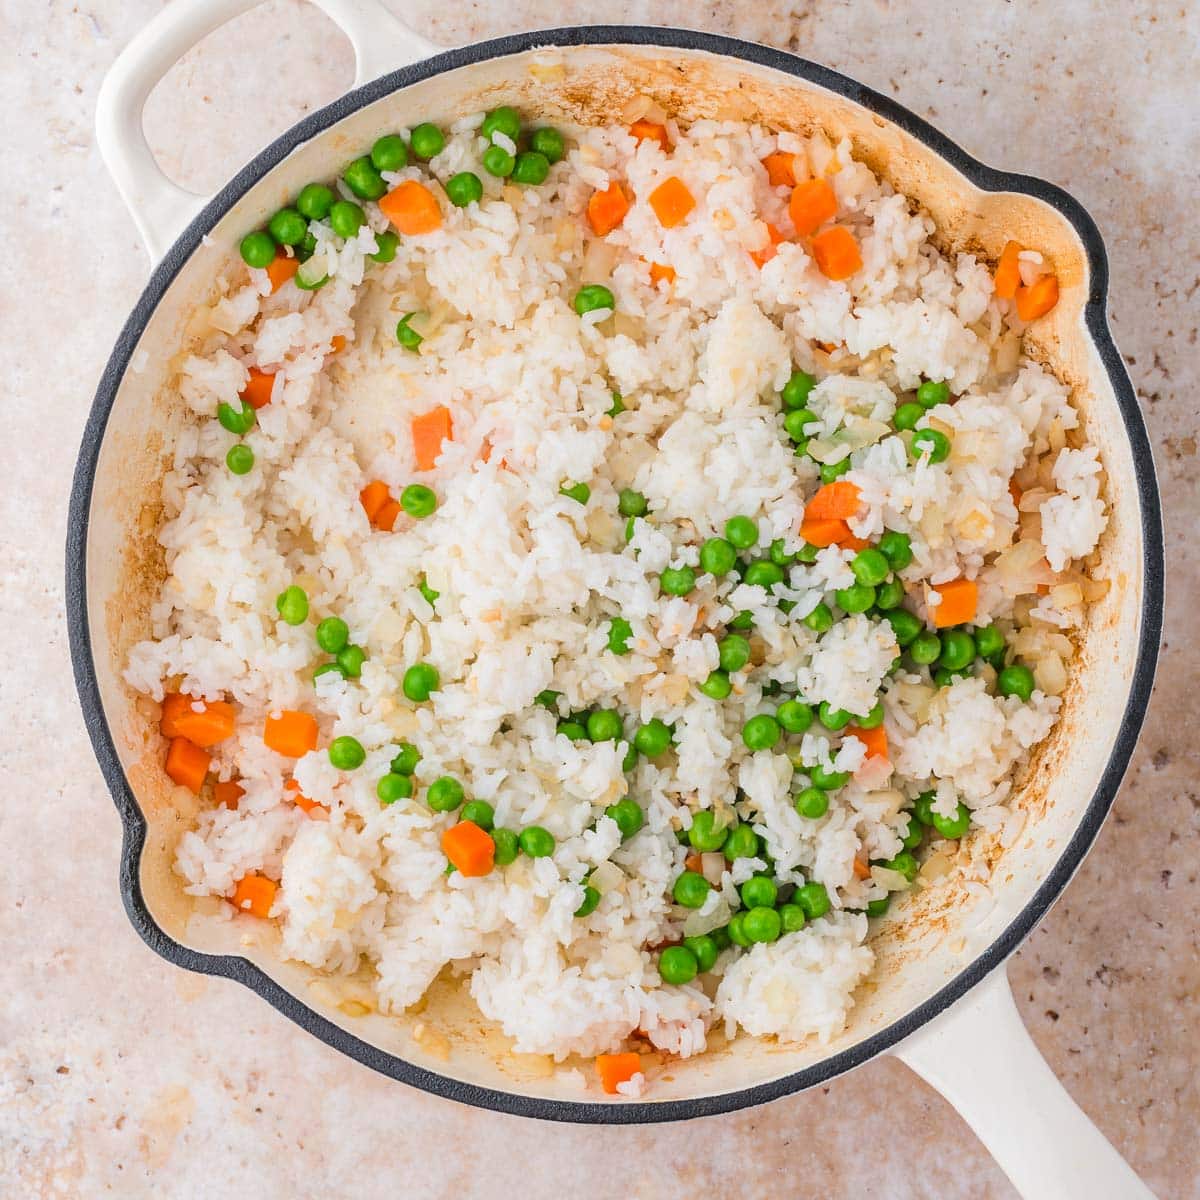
<point x="420" y="680"/>
<point x="579" y="492"/>
<point x="813" y="900"/>
<point x="870" y="567"/>
<point x="952" y="827"/>
<point x="720" y="937"/>
<point x="737" y="930"/>
<point x="240" y="459"/>
<point x="530" y="168"/>
<point x="479" y="812"/>
<point x="691" y="889"/>
<point x="630" y="528"/>
<point x="505" y="120"/>
<point x="619" y="633"/>
<point x="257" y="249"/>
<point x="418" y="501"/>
<point x="445" y="794"/>
<point x="905" y="864"/>
<point x="820" y="620"/>
<point x="795" y="391"/>
<point x="791" y="917"/>
<point x="307" y="279"/>
<point x="363" y="178"/>
<point x="943" y="678"/>
<point x="1015" y="681"/>
<point x="762" y="925"/>
<point x="763" y="573"/>
<point x="575" y="730"/>
<point x="915" y="835"/>
<point x="812" y="803"/>
<point x="761" y="732"/>
<point x="677" y="581"/>
<point x="742" y="532"/>
<point x="677" y="965"/>
<point x="807" y="553"/>
<point x="346" y="218"/>
<point x="743" y="620"/>
<point x="430" y="596"/>
<point x="386" y="244"/>
<point x="287" y="227"/>
<point x="653" y="738"/>
<point x="877" y="908"/>
<point x="388" y="154"/>
<point x="958" y="650"/>
<point x="591" y="898"/>
<point x="548" y="142"/>
<point x="740" y="842"/>
<point x="704" y="948"/>
<point x="329" y="668"/>
<point x="932" y="442"/>
<point x="925" y="648"/>
<point x="393" y="787"/>
<point x="931" y="394"/>
<point x="896" y="547"/>
<point x="464" y="188"/>
<point x="406" y="335"/>
<point x="548" y="699"/>
<point x="350" y="660"/>
<point x="426" y="140"/>
<point x="794" y="716"/>
<point x="307" y="248"/>
<point x="923" y="807"/>
<point x="604" y="725"/>
<point x="733" y="652"/>
<point x="759" y="891"/>
<point x="631" y="503"/>
<point x="617" y="407"/>
<point x="292" y="604"/>
<point x="238" y="420"/>
<point x="717" y="557"/>
<point x="857" y="598"/>
<point x="832" y="718"/>
<point x="889" y="595"/>
<point x="497" y="161"/>
<point x="905" y="626"/>
<point x="989" y="643"/>
<point x="628" y="815"/>
<point x="592" y="297"/>
<point x="716" y="686"/>
<point x="315" y="201"/>
<point x="796" y="422"/>
<point x="873" y="719"/>
<point x="346" y="753"/>
<point x="507" y="847"/>
<point x="907" y="415"/>
<point x="705" y="835"/>
<point x="406" y="759"/>
<point x="778" y="555"/>
<point x="832" y="471"/>
<point x="629" y="761"/>
<point x="828" y="781"/>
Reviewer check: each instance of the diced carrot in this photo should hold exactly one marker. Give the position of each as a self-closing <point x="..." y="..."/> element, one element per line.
<point x="1007" y="278"/>
<point x="412" y="208"/>
<point x="258" y="389"/>
<point x="227" y="792"/>
<point x="781" y="168"/>
<point x="672" y="202"/>
<point x="837" y="500"/>
<point x="607" y="209"/>
<point x="812" y="204"/>
<point x="850" y="542"/>
<point x="337" y="344"/>
<point x="836" y="252"/>
<point x="822" y="533"/>
<point x="290" y="733"/>
<point x="768" y="252"/>
<point x="643" y="130"/>
<point x="1038" y="298"/>
<point x="861" y="870"/>
<point x="1015" y="492"/>
<point x="828" y="347"/>
<point x="875" y="739"/>
<point x="301" y="801"/>
<point x="373" y="497"/>
<point x="617" y="1068"/>
<point x="960" y="599"/>
<point x="255" y="894"/>
<point x="429" y="431"/>
<point x="280" y="269"/>
<point x="187" y="764"/>
<point x="469" y="848"/>
<point x="385" y="518"/>
<point x="693" y="862"/>
<point x="212" y="724"/>
<point x="661" y="273"/>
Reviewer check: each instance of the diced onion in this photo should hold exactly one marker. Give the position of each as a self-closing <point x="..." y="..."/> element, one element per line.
<point x="696" y="924"/>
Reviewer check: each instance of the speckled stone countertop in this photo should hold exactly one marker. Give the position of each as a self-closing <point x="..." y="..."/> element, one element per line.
<point x="122" y="1075"/>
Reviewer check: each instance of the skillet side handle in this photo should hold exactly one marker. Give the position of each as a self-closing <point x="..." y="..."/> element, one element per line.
<point x="979" y="1055"/>
<point x="162" y="209"/>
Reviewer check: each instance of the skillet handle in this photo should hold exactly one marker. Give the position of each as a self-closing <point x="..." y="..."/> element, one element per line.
<point x="161" y="209"/>
<point x="979" y="1055"/>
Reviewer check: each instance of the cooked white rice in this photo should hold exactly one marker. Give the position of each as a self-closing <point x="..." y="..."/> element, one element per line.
<point x="529" y="578"/>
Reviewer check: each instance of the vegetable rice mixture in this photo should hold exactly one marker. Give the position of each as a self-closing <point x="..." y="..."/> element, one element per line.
<point x="607" y="564"/>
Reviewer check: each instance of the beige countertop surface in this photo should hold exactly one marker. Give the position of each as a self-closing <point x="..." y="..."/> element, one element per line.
<point x="122" y="1075"/>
